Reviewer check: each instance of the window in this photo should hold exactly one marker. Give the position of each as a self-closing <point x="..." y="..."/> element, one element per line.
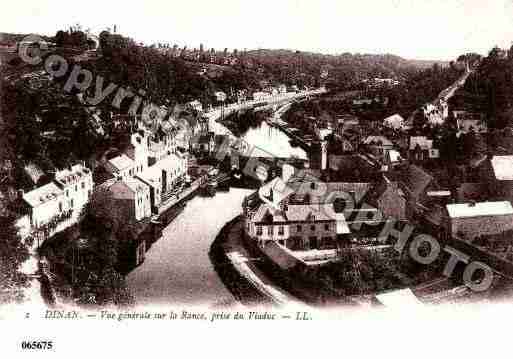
<point x="67" y="193"/>
<point x="299" y="228"/>
<point x="270" y="230"/>
<point x="281" y="231"/>
<point x="83" y="185"/>
<point x="71" y="203"/>
<point x="76" y="188"/>
<point x="312" y="228"/>
<point x="60" y="206"/>
<point x="326" y="227"/>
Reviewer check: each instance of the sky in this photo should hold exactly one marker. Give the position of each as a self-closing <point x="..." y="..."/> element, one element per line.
<point x="414" y="29"/>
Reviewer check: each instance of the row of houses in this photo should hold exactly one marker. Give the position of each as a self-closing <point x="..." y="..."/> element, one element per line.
<point x="145" y="176"/>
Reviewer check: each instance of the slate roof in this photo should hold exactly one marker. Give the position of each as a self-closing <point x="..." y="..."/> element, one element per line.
<point x="415" y="180"/>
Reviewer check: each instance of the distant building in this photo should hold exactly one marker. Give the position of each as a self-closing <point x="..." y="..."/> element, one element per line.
<point x="165" y="179"/>
<point x="421" y="149"/>
<point x="378" y="146"/>
<point x="260" y="96"/>
<point x="468" y="121"/>
<point x="205" y="144"/>
<point x="220" y="96"/>
<point x="469" y="221"/>
<point x="395" y="122"/>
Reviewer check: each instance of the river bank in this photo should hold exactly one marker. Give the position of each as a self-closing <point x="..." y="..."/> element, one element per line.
<point x="236" y="267"/>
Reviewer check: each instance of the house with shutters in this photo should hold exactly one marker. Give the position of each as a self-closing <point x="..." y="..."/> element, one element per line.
<point x="301" y="213"/>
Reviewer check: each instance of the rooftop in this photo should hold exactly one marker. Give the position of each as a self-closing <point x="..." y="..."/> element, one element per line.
<point x="71" y="175"/>
<point x="121" y="162"/>
<point x="503" y="167"/>
<point x="153" y="173"/>
<point x="480" y="209"/>
<point x="43" y="194"/>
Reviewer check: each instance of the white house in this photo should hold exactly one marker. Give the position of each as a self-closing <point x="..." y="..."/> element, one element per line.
<point x="58" y="204"/>
<point x="164" y="178"/>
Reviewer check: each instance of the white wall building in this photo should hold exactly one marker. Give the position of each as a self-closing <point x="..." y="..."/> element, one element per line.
<point x="58" y="204"/>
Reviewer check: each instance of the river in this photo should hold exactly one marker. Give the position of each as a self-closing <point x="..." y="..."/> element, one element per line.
<point x="177" y="269"/>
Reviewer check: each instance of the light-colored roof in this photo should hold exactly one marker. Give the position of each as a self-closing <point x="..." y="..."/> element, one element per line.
<point x="503" y="167"/>
<point x="422" y="141"/>
<point x="395" y="121"/>
<point x="121" y="162"/>
<point x="152" y="174"/>
<point x="375" y="139"/>
<point x="43" y="194"/>
<point x="480" y="209"/>
<point x="399" y="298"/>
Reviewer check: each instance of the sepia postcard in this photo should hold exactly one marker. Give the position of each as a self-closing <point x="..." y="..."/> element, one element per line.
<point x="246" y="178"/>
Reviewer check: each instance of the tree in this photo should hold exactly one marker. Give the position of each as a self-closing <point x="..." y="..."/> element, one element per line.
<point x="13" y="253"/>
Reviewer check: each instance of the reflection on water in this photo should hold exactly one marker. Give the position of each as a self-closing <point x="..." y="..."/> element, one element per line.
<point x="271" y="142"/>
<point x="177" y="269"/>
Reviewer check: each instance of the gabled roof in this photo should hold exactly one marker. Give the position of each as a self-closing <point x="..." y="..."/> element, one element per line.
<point x="121" y="162"/>
<point x="467" y="210"/>
<point x="415" y="180"/>
<point x="119" y="189"/>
